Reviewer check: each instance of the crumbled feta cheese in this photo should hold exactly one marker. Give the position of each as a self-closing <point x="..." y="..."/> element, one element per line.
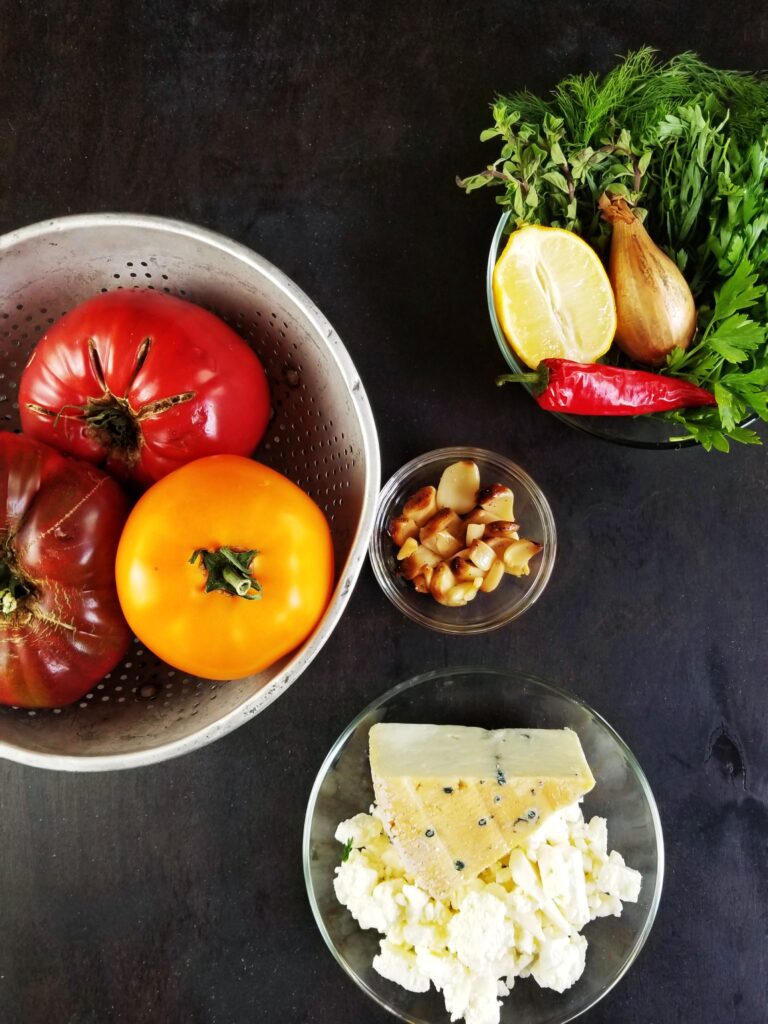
<point x="399" y="964"/>
<point x="354" y="884"/>
<point x="562" y="878"/>
<point x="522" y="917"/>
<point x="480" y="933"/>
<point x="483" y="1006"/>
<point x="596" y="835"/>
<point x="616" y="879"/>
<point x="360" y="830"/>
<point x="560" y="962"/>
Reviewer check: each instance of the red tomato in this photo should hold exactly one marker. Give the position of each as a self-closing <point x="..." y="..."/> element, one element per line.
<point x="142" y="382"/>
<point x="61" y="628"/>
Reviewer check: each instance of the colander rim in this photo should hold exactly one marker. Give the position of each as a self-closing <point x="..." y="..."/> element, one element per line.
<point x="327" y="337"/>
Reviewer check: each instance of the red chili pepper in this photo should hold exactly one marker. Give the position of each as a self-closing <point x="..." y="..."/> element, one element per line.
<point x="593" y="389"/>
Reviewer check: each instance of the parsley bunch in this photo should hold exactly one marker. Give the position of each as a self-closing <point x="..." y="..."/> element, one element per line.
<point x="687" y="145"/>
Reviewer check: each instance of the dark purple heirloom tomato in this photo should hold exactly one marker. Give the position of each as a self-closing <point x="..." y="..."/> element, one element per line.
<point x="61" y="627"/>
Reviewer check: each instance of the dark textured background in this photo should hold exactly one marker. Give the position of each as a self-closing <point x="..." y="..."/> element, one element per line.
<point x="326" y="136"/>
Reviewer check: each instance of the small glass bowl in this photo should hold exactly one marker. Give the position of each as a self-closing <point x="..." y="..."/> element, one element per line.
<point x="491" y="699"/>
<point x="634" y="431"/>
<point x="514" y="595"/>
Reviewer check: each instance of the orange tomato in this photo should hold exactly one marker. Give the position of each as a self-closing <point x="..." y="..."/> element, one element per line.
<point x="223" y="567"/>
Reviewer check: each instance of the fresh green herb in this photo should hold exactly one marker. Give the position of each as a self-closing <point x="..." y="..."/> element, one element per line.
<point x="729" y="358"/>
<point x="686" y="144"/>
<point x="346" y="851"/>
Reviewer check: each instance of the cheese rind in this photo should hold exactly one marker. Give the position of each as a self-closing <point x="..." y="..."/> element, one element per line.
<point x="455" y="799"/>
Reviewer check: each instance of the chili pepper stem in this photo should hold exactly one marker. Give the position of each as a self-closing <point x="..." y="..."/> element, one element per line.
<point x="538" y="379"/>
<point x="518" y="378"/>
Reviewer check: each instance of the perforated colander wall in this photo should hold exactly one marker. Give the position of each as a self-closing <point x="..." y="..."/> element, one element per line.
<point x="318" y="436"/>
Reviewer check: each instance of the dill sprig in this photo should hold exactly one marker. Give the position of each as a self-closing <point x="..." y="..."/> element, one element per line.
<point x="640" y="92"/>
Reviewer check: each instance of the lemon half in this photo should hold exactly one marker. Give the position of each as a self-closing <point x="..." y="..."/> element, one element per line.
<point x="553" y="297"/>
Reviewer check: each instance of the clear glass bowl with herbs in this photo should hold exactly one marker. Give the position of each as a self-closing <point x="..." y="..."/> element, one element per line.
<point x="686" y="146"/>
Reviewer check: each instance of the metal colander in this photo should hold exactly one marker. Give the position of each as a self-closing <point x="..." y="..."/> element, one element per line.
<point x="321" y="435"/>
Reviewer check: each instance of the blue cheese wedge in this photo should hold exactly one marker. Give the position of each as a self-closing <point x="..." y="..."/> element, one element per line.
<point x="455" y="799"/>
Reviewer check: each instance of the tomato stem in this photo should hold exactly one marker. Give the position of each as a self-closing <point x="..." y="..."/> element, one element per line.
<point x="229" y="570"/>
<point x="114" y="422"/>
<point x="239" y="584"/>
<point x="13" y="589"/>
<point x="110" y="419"/>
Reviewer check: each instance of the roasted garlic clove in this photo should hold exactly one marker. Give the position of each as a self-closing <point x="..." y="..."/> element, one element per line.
<point x="445" y="520"/>
<point x="407" y="549"/>
<point x="443" y="533"/>
<point x="458" y="487"/>
<point x="502" y="528"/>
<point x="401" y="529"/>
<point x="443" y="581"/>
<point x="420" y="584"/>
<point x="421" y="506"/>
<point x="482" y="555"/>
<point x="493" y="577"/>
<point x="474" y="532"/>
<point x="500" y="544"/>
<point x="479" y="515"/>
<point x="498" y="501"/>
<point x="414" y="564"/>
<point x="517" y="555"/>
<point x="460" y="595"/>
<point x="464" y="570"/>
<point x="443" y="544"/>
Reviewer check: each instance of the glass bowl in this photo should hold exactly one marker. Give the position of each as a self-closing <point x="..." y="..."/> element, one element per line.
<point x="491" y="699"/>
<point x="635" y="431"/>
<point x="514" y="595"/>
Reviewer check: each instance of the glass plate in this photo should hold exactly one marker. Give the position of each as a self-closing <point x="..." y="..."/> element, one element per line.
<point x="491" y="699"/>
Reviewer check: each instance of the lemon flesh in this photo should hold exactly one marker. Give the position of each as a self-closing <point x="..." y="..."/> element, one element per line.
<point x="552" y="297"/>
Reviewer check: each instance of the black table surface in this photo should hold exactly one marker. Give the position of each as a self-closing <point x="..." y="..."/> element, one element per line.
<point x="327" y="136"/>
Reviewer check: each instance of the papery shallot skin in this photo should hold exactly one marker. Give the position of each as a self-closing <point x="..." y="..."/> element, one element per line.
<point x="61" y="627"/>
<point x="655" y="310"/>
